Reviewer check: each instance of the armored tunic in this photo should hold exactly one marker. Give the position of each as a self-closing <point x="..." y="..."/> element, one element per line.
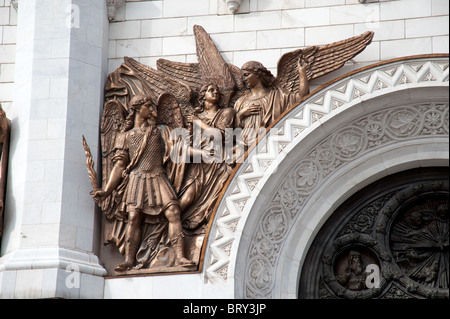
<point x="148" y="189"/>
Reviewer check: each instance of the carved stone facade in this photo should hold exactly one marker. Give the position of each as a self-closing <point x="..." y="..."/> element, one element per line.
<point x="341" y="148"/>
<point x="53" y="92"/>
<point x="265" y="220"/>
<point x="400" y="224"/>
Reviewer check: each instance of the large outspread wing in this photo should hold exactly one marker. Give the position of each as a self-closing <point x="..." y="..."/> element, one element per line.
<point x="126" y="82"/>
<point x="320" y="60"/>
<point x="185" y="72"/>
<point x="169" y="114"/>
<point x="113" y="119"/>
<point x="155" y="83"/>
<point x="211" y="68"/>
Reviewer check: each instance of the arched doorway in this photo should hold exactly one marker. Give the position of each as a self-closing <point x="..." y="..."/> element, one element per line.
<point x="368" y="125"/>
<point x="397" y="229"/>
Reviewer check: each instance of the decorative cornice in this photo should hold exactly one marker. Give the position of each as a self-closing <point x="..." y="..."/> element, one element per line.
<point x="248" y="180"/>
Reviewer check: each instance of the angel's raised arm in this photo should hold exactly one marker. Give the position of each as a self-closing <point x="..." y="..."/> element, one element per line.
<point x="317" y="61"/>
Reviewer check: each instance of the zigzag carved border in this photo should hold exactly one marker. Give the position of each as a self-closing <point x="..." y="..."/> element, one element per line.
<point x="293" y="126"/>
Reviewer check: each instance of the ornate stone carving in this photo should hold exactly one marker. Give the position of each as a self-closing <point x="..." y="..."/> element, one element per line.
<point x="362" y="136"/>
<point x="233" y="5"/>
<point x="349" y="143"/>
<point x="419" y="242"/>
<point x="158" y="201"/>
<point x="406" y="238"/>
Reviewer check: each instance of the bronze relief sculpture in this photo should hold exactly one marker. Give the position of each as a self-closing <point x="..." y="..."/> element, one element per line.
<point x="396" y="229"/>
<point x="147" y="195"/>
<point x="171" y="137"/>
<point x="268" y="97"/>
<point x="5" y="128"/>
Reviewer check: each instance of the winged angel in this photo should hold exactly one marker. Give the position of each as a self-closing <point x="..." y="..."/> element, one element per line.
<point x="144" y="104"/>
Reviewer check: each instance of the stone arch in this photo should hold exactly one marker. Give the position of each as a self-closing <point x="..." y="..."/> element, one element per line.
<point x="398" y="223"/>
<point x="363" y="126"/>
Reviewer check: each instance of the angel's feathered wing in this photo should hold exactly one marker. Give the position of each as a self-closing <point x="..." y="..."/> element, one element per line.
<point x="113" y="119"/>
<point x="320" y="60"/>
<point x="170" y="115"/>
<point x="133" y="78"/>
<point x="211" y="68"/>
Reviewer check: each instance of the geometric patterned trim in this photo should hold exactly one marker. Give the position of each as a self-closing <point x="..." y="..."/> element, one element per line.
<point x="236" y="203"/>
<point x="343" y="147"/>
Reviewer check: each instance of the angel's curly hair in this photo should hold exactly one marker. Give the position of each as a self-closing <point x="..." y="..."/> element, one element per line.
<point x="266" y="77"/>
<point x="134" y="105"/>
<point x="201" y="96"/>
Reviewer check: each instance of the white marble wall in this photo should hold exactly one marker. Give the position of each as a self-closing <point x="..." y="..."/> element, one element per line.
<point x="265" y="29"/>
<point x="50" y="221"/>
<point x="8" y="22"/>
<point x="51" y="86"/>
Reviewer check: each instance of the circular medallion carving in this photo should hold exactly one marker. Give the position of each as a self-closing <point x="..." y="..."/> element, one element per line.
<point x="374" y="130"/>
<point x="433" y="119"/>
<point x="350" y="267"/>
<point x="259" y="271"/>
<point x="305" y="176"/>
<point x="403" y="122"/>
<point x="326" y="157"/>
<point x="288" y="199"/>
<point x="348" y="142"/>
<point x="419" y="241"/>
<point x="398" y="226"/>
<point x="275" y="224"/>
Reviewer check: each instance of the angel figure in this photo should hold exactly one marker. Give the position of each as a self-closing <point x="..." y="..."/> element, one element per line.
<point x="259" y="102"/>
<point x="204" y="179"/>
<point x="268" y="96"/>
<point x="147" y="195"/>
<point x="258" y="97"/>
<point x="265" y="101"/>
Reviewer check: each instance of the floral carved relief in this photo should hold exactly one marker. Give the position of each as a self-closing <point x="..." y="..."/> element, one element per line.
<point x="338" y="149"/>
<point x="379" y="128"/>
